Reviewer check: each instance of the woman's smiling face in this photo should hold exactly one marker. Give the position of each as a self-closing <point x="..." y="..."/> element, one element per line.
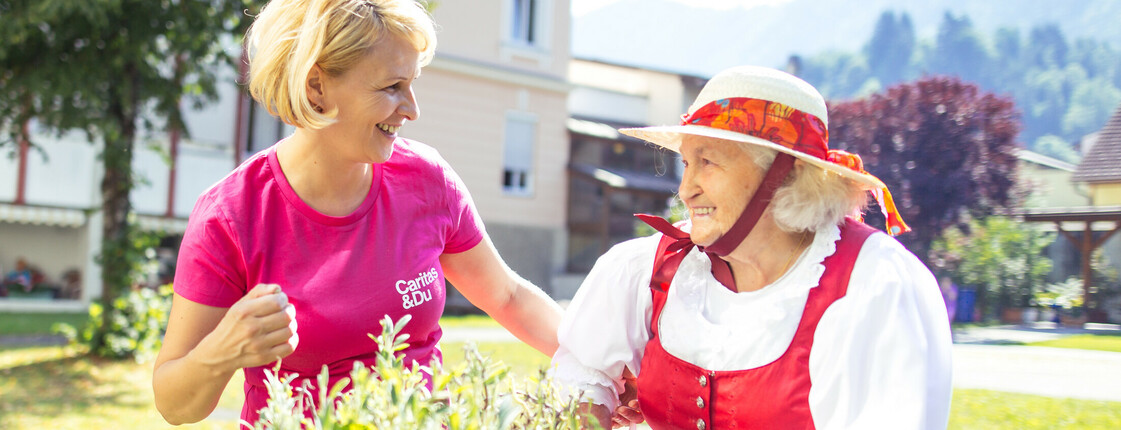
<point x="374" y="99"/>
<point x="718" y="181"/>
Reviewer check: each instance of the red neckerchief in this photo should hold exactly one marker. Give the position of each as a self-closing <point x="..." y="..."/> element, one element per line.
<point x="678" y="243"/>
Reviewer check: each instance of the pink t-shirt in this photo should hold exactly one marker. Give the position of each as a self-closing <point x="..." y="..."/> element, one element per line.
<point x="342" y="274"/>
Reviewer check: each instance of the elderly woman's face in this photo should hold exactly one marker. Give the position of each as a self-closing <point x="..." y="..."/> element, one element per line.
<point x="718" y="181"/>
<point x="374" y="98"/>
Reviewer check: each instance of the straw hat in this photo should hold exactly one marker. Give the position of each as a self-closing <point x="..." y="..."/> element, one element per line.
<point x="776" y="110"/>
<point x="765" y="107"/>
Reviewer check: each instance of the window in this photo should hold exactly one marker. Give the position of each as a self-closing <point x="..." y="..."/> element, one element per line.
<point x="517" y="163"/>
<point x="261" y="130"/>
<point x="524" y="26"/>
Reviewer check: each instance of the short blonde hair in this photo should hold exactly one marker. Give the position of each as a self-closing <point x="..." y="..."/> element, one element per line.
<point x="289" y="37"/>
<point x="811" y="198"/>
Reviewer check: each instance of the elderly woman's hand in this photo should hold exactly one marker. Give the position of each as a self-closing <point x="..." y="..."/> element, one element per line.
<point x="258" y="329"/>
<point x="599" y="413"/>
<point x="627" y="415"/>
<point x="624" y="415"/>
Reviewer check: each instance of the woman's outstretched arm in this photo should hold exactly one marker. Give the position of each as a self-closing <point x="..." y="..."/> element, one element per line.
<point x="205" y="345"/>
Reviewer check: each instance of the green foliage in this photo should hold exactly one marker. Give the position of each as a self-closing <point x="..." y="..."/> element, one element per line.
<point x="1062" y="87"/>
<point x="1066" y="294"/>
<point x="1091" y="103"/>
<point x="1107" y="279"/>
<point x="1000" y="257"/>
<point x="676" y="212"/>
<point x="1070" y="295"/>
<point x="476" y="395"/>
<point x="48" y="387"/>
<point x="136" y="324"/>
<point x="1055" y="147"/>
<point x="112" y="69"/>
<point x="891" y="48"/>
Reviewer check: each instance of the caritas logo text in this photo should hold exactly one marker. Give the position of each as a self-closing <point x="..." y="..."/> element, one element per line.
<point x="415" y="292"/>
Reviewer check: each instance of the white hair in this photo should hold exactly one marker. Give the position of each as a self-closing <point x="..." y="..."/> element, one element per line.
<point x="811" y="198"/>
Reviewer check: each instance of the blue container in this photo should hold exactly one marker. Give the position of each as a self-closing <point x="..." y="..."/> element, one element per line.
<point x="967" y="298"/>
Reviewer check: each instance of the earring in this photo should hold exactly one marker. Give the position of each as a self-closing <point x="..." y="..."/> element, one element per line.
<point x="317" y="108"/>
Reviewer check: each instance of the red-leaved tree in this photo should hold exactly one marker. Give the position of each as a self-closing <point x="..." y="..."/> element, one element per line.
<point x="943" y="146"/>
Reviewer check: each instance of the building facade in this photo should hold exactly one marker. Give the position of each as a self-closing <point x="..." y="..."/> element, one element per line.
<point x="493" y="102"/>
<point x="612" y="176"/>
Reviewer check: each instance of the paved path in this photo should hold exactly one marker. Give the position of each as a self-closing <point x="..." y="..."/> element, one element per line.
<point x="1051" y="372"/>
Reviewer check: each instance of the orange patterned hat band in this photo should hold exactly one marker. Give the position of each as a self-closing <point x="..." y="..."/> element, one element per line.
<point x="793" y="129"/>
<point x="767" y="120"/>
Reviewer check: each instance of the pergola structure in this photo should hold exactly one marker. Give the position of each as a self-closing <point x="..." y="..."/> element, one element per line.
<point x="1086" y="244"/>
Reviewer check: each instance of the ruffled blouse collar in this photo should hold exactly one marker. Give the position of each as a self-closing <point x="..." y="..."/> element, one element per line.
<point x="696" y="269"/>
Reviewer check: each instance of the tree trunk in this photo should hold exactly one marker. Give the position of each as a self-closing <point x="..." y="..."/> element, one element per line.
<point x="116" y="246"/>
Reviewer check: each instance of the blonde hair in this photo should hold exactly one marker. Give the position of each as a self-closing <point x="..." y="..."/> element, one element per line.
<point x="811" y="198"/>
<point x="289" y="37"/>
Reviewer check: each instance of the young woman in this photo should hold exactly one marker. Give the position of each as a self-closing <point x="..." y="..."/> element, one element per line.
<point x="299" y="252"/>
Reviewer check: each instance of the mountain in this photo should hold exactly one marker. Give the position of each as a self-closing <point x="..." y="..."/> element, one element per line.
<point x="673" y="36"/>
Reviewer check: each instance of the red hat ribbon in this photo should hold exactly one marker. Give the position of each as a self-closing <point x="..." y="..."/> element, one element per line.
<point x="895" y="224"/>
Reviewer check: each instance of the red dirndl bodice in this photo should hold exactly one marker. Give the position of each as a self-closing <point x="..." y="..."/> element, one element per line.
<point x="675" y="394"/>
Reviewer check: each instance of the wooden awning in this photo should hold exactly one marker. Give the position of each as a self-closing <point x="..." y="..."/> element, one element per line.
<point x="1081" y="213"/>
<point x="1087" y="216"/>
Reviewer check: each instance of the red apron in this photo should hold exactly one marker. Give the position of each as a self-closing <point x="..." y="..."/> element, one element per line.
<point x="675" y="394"/>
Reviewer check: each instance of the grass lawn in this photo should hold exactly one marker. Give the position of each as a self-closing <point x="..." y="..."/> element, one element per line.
<point x="60" y="387"/>
<point x="37" y="323"/>
<point x="52" y="387"/>
<point x="468" y="321"/>
<point x="523" y="360"/>
<point x="994" y="410"/>
<point x="1098" y="342"/>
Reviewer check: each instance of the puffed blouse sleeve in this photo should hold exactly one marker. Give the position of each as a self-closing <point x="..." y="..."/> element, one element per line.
<point x="606" y="326"/>
<point x="882" y="354"/>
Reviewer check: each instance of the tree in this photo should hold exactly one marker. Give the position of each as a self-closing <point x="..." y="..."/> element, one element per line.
<point x="944" y="148"/>
<point x="1044" y="103"/>
<point x="112" y="69"/>
<point x="1047" y="47"/>
<point x="1055" y="147"/>
<point x="960" y="51"/>
<point x="891" y="47"/>
<point x="836" y="74"/>
<point x="1009" y="59"/>
<point x="1092" y="102"/>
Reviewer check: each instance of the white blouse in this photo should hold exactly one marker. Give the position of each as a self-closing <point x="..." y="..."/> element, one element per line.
<point x="881" y="353"/>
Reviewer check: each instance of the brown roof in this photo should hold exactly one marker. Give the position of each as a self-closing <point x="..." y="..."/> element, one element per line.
<point x="1103" y="162"/>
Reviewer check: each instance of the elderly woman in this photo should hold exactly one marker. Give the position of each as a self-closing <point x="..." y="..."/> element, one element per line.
<point x="776" y="307"/>
<point x="299" y="252"/>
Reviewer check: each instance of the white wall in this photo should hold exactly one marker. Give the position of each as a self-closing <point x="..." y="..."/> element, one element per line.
<point x="52" y="249"/>
<point x="602" y="88"/>
<point x="67" y="177"/>
<point x="215" y="123"/>
<point x="150" y="170"/>
<point x="199" y="168"/>
<point x="9" y="173"/>
<point x="602" y="104"/>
